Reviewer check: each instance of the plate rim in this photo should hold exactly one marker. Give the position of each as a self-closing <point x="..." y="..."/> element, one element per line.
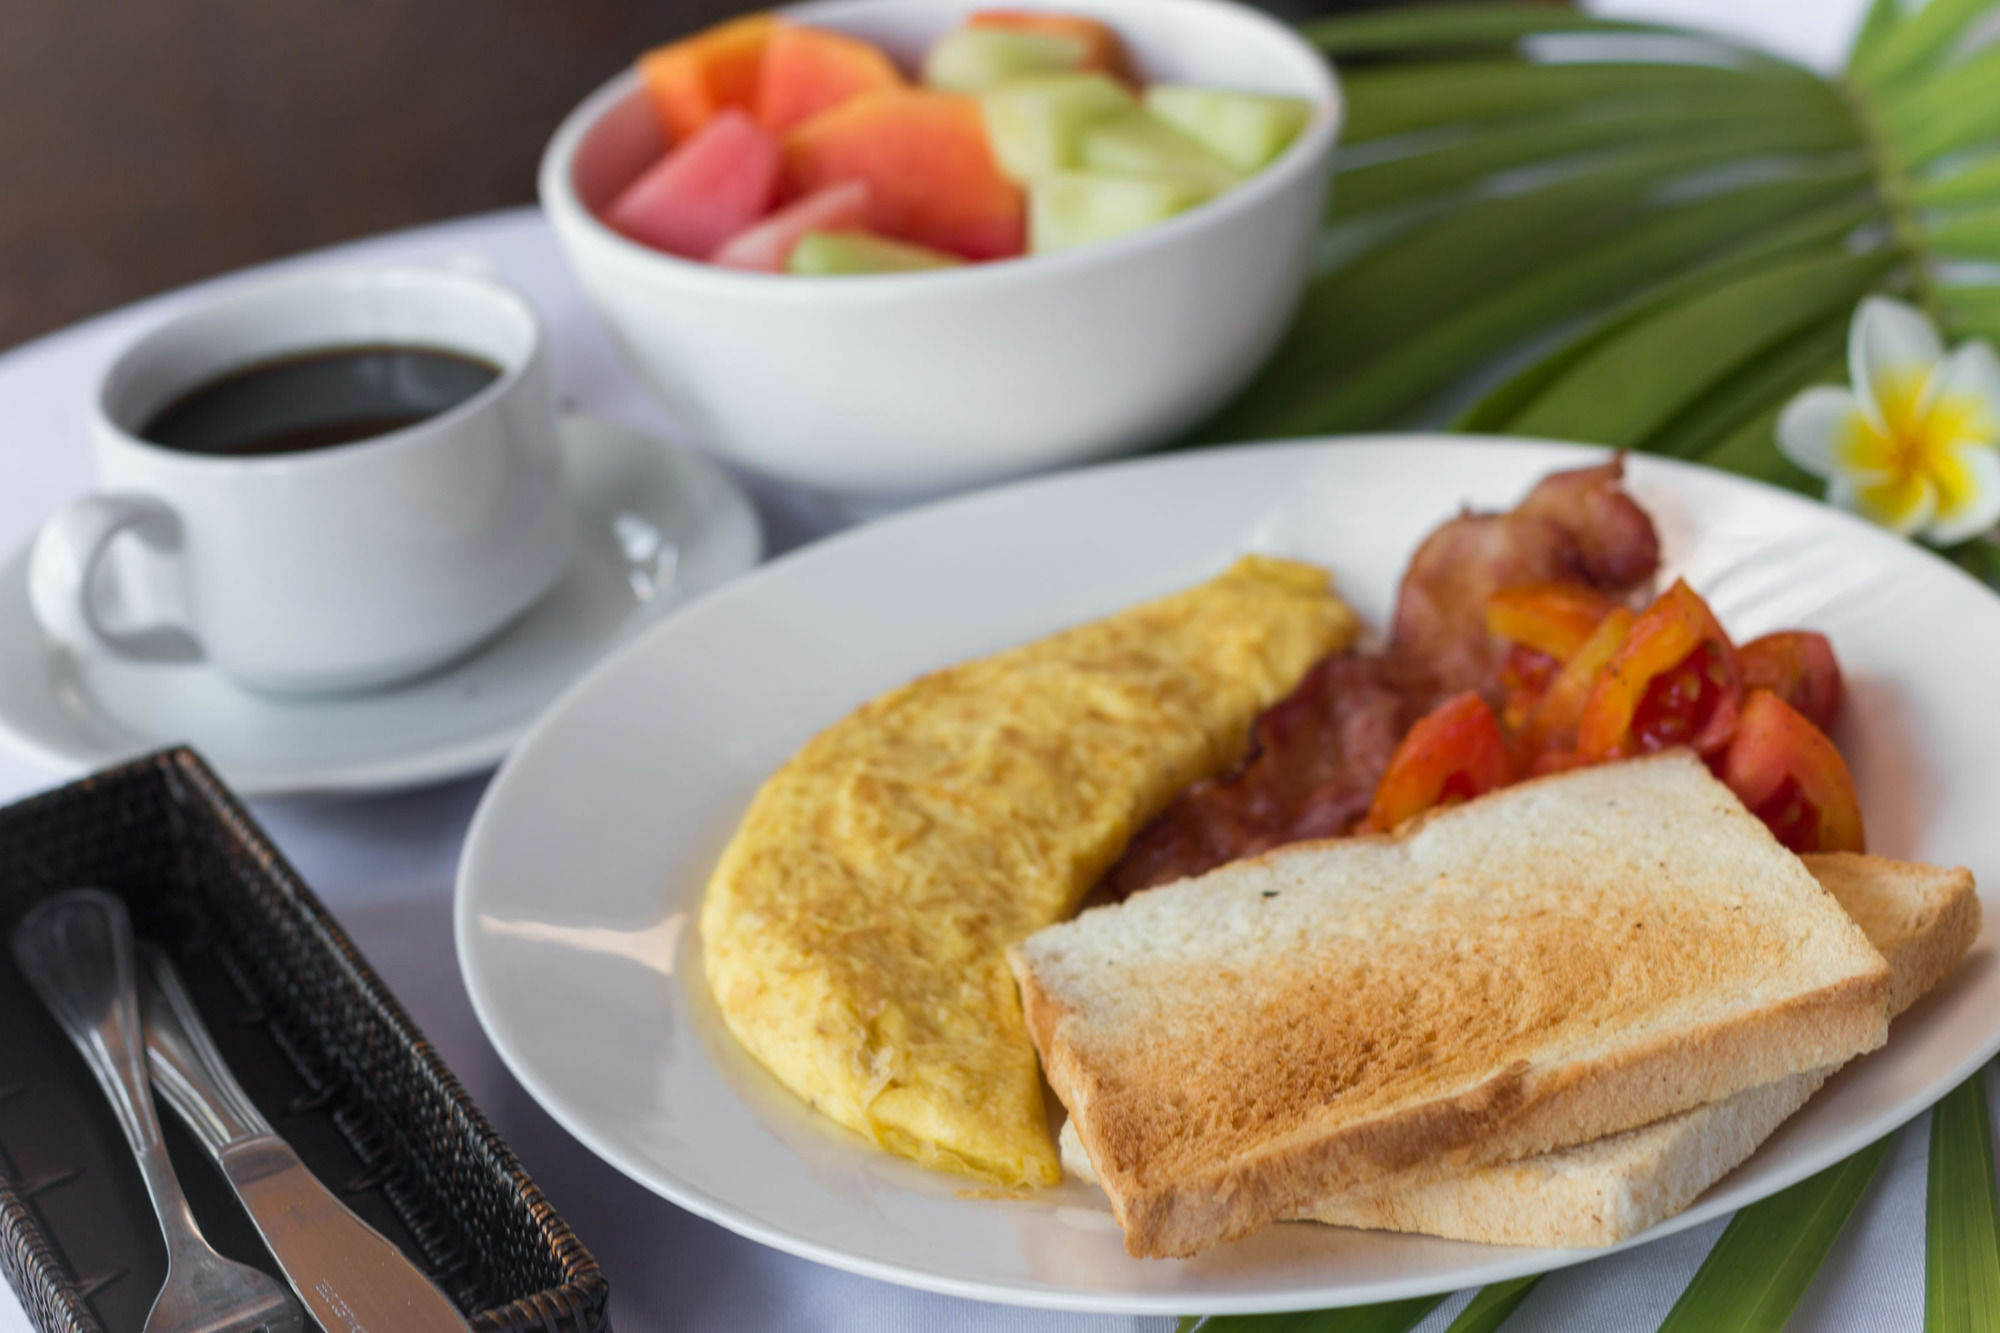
<point x="1508" y="1262"/>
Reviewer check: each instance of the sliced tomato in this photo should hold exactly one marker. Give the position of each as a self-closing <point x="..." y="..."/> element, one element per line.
<point x="1524" y="676"/>
<point x="1799" y="667"/>
<point x="1792" y="777"/>
<point x="1552" y="726"/>
<point x="1674" y="681"/>
<point x="1552" y="618"/>
<point x="1454" y="753"/>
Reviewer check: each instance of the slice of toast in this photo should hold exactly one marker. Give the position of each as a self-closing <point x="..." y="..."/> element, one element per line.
<point x="1921" y="918"/>
<point x="1550" y="964"/>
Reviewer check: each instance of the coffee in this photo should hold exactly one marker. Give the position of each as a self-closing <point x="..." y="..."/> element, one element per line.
<point x="317" y="400"/>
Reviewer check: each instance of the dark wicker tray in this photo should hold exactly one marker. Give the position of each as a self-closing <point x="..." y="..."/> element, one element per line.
<point x="320" y="1044"/>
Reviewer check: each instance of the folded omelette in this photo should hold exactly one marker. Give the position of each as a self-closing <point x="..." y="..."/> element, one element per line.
<point x="855" y="929"/>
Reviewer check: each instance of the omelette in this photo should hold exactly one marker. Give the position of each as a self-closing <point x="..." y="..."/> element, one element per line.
<point x="854" y="931"/>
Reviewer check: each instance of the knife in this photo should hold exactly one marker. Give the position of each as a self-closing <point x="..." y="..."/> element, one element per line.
<point x="347" y="1274"/>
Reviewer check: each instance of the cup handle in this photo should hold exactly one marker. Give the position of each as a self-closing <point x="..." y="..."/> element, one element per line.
<point x="63" y="564"/>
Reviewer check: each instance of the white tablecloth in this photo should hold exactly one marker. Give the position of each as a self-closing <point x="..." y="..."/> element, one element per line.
<point x="385" y="865"/>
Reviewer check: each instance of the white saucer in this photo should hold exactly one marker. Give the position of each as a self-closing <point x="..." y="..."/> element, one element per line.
<point x="658" y="525"/>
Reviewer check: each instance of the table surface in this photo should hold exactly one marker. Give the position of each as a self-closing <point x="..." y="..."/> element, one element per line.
<point x="385" y="866"/>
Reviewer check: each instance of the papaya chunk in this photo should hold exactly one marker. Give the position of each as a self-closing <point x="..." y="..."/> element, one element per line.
<point x="807" y="70"/>
<point x="931" y="173"/>
<point x="691" y="80"/>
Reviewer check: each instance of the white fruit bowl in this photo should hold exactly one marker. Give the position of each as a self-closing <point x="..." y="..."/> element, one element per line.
<point x="917" y="383"/>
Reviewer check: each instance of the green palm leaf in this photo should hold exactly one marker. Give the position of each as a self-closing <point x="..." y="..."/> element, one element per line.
<point x="1961" y="1235"/>
<point x="1454" y="28"/>
<point x="1766" y="1257"/>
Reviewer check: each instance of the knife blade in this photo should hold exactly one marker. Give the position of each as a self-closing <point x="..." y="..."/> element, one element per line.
<point x="347" y="1274"/>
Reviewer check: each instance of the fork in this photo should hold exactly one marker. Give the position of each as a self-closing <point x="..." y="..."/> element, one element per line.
<point x="76" y="951"/>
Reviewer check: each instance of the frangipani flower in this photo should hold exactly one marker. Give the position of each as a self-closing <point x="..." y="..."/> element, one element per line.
<point x="1915" y="443"/>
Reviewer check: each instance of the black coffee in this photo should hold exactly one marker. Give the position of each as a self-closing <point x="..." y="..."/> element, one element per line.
<point x="318" y="399"/>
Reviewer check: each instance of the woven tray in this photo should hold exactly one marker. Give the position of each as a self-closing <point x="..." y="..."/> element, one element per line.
<point x="322" y="1047"/>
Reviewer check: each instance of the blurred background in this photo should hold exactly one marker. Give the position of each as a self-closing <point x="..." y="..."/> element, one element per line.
<point x="146" y="144"/>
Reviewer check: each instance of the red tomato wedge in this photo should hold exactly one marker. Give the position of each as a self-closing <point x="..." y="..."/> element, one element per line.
<point x="1552" y="618"/>
<point x="1792" y="777"/>
<point x="1525" y="675"/>
<point x="1551" y="728"/>
<point x="1674" y="681"/>
<point x="1798" y="666"/>
<point x="1454" y="753"/>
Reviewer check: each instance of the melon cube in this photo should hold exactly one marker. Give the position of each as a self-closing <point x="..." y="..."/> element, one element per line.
<point x="1246" y="130"/>
<point x="1072" y="208"/>
<point x="1102" y="49"/>
<point x="931" y="175"/>
<point x="1036" y="125"/>
<point x="807" y="70"/>
<point x="968" y="60"/>
<point x="824" y="254"/>
<point x="690" y="81"/>
<point x="1138" y="143"/>
<point x="766" y="246"/>
<point x="703" y="192"/>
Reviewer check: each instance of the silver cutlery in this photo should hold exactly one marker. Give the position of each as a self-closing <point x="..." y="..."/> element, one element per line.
<point x="76" y="951"/>
<point x="348" y="1275"/>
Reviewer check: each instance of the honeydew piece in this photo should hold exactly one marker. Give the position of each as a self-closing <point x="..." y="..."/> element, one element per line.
<point x="1036" y="125"/>
<point x="1139" y="143"/>
<point x="1072" y="208"/>
<point x="1246" y="130"/>
<point x="970" y="60"/>
<point x="1102" y="49"/>
<point x="826" y="254"/>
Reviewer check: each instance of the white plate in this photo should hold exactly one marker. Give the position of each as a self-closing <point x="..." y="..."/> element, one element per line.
<point x="590" y="851"/>
<point x="657" y="525"/>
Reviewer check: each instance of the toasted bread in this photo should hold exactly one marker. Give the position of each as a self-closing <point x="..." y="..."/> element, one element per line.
<point x="1921" y="918"/>
<point x="1555" y="962"/>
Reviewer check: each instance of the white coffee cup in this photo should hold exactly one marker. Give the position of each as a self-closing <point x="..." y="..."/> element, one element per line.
<point x="331" y="569"/>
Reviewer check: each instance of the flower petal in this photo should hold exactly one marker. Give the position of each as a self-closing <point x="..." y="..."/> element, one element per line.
<point x="1813" y="428"/>
<point x="1967" y="477"/>
<point x="1962" y="400"/>
<point x="1902" y="504"/>
<point x="1891" y="349"/>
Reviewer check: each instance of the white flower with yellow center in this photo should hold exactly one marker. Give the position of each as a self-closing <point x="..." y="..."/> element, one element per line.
<point x="1915" y="443"/>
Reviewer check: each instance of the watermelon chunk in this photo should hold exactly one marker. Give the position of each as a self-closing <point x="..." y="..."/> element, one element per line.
<point x="969" y="60"/>
<point x="826" y="254"/>
<point x="703" y="192"/>
<point x="1245" y="130"/>
<point x="807" y="70"/>
<point x="1102" y="49"/>
<point x="932" y="178"/>
<point x="691" y="80"/>
<point x="767" y="245"/>
<point x="1139" y="143"/>
<point x="1037" y="125"/>
<point x="1072" y="208"/>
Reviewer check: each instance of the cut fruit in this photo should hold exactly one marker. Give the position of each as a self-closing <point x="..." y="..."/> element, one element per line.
<point x="1073" y="208"/>
<point x="1245" y="130"/>
<point x="1102" y="48"/>
<point x="1139" y="143"/>
<point x="826" y="254"/>
<point x="703" y="192"/>
<point x="692" y="80"/>
<point x="807" y="70"/>
<point x="766" y="246"/>
<point x="970" y="60"/>
<point x="1036" y="125"/>
<point x="931" y="174"/>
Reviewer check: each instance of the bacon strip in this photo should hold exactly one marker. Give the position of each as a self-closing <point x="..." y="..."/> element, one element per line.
<point x="1316" y="756"/>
